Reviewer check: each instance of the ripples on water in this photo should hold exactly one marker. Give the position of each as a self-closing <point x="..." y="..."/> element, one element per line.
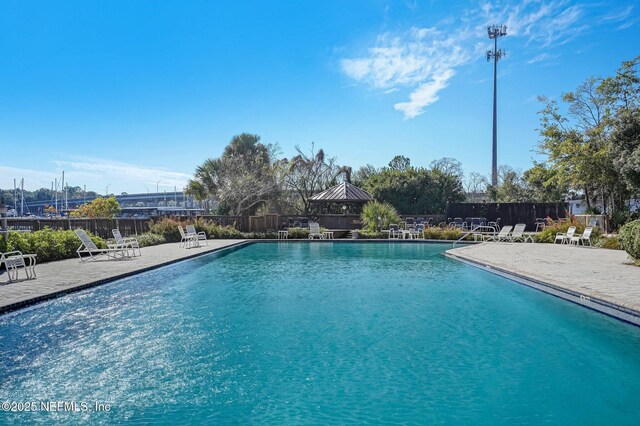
<point x="321" y="333"/>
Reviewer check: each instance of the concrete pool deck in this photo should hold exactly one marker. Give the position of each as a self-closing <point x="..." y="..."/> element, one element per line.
<point x="601" y="279"/>
<point x="63" y="276"/>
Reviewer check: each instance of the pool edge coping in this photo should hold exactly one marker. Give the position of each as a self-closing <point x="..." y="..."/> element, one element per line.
<point x="610" y="309"/>
<point x="54" y="295"/>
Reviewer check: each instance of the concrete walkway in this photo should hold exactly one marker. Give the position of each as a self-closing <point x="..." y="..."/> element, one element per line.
<point x="594" y="273"/>
<point x="63" y="276"/>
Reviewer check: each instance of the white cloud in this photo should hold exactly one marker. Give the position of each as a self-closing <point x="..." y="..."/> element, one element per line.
<point x="541" y="58"/>
<point x="424" y="60"/>
<point x="96" y="174"/>
<point x="424" y="95"/>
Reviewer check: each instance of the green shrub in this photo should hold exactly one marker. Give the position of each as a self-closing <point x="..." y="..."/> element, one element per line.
<point x="167" y="228"/>
<point x="377" y="216"/>
<point x="435" y="233"/>
<point x="612" y="243"/>
<point x="149" y="239"/>
<point x="298" y="233"/>
<point x="370" y="235"/>
<point x="630" y="239"/>
<point x="261" y="235"/>
<point x="48" y="244"/>
<point x="215" y="231"/>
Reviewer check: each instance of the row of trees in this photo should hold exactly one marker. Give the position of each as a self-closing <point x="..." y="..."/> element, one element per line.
<point x="590" y="140"/>
<point x="248" y="177"/>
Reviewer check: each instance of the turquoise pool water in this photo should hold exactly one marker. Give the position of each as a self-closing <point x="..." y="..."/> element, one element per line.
<point x="289" y="333"/>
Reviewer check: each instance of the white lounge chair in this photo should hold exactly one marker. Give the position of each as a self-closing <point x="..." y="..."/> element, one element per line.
<point x="188" y="240"/>
<point x="314" y="231"/>
<point x="565" y="238"/>
<point x="518" y="234"/>
<point x="15" y="260"/>
<point x="503" y="235"/>
<point x="202" y="236"/>
<point x="114" y="251"/>
<point x="129" y="242"/>
<point x="584" y="238"/>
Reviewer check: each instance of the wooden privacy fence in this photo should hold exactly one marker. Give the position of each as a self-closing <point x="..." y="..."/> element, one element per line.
<point x="509" y="213"/>
<point x="99" y="227"/>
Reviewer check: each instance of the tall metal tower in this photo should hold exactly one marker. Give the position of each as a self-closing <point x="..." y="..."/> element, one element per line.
<point x="495" y="31"/>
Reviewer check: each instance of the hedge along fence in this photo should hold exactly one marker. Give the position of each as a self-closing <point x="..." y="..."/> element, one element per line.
<point x="48" y="244"/>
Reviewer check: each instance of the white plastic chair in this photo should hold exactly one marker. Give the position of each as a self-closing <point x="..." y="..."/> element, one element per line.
<point x="15" y="260"/>
<point x="503" y="235"/>
<point x="314" y="231"/>
<point x="518" y="234"/>
<point x="114" y="251"/>
<point x="584" y="238"/>
<point x="565" y="238"/>
<point x="202" y="236"/>
<point x="187" y="240"/>
<point x="129" y="242"/>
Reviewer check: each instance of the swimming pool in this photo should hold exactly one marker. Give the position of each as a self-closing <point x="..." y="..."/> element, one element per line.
<point x="321" y="333"/>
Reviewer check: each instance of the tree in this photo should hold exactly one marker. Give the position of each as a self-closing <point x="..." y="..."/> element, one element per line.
<point x="542" y="186"/>
<point x="241" y="180"/>
<point x="307" y="175"/>
<point x="626" y="148"/>
<point x="363" y="173"/>
<point x="448" y="166"/>
<point x="591" y="148"/>
<point x="400" y="163"/>
<point x="414" y="190"/>
<point x="101" y="207"/>
<point x="476" y="185"/>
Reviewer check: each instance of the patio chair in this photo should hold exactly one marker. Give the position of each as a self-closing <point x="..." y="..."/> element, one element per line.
<point x="202" y="236"/>
<point x="15" y="260"/>
<point x="475" y="222"/>
<point x="584" y="238"/>
<point x="541" y="223"/>
<point x="409" y="223"/>
<point x="494" y="224"/>
<point x="394" y="231"/>
<point x="503" y="235"/>
<point x="459" y="223"/>
<point x="187" y="240"/>
<point x="518" y="234"/>
<point x="314" y="231"/>
<point x="565" y="238"/>
<point x="129" y="242"/>
<point x="417" y="231"/>
<point x="113" y="251"/>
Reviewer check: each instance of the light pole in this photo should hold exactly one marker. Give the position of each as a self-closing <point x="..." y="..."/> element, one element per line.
<point x="106" y="191"/>
<point x="494" y="32"/>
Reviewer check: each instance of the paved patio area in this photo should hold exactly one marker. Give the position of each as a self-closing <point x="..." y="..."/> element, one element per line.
<point x="63" y="276"/>
<point x="592" y="272"/>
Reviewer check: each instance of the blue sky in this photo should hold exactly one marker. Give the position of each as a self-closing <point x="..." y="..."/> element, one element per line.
<point x="136" y="94"/>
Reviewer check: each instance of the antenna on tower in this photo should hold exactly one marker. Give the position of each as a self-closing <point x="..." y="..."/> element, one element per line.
<point x="495" y="32"/>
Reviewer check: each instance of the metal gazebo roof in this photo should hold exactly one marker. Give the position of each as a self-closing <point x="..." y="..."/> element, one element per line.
<point x="344" y="192"/>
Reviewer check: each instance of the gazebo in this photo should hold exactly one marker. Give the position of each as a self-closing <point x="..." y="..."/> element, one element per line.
<point x="344" y="198"/>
